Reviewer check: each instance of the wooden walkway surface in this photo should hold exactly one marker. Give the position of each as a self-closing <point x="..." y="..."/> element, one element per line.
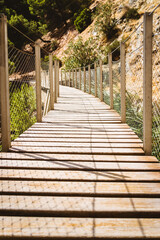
<point x="80" y="174"/>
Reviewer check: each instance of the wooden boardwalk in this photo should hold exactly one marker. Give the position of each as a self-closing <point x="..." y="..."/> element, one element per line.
<point x="80" y="174"/>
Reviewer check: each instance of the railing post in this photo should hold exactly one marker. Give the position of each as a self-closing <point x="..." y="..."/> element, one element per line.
<point x="4" y="85"/>
<point x="57" y="78"/>
<point x="110" y="80"/>
<point x="38" y="82"/>
<point x="101" y="80"/>
<point x="147" y="83"/>
<point x="95" y="77"/>
<point x="76" y="78"/>
<point x="51" y="81"/>
<point x="73" y="78"/>
<point x="123" y="83"/>
<point x="61" y="78"/>
<point x="89" y="76"/>
<point x="84" y="69"/>
<point x="69" y="78"/>
<point x="55" y="81"/>
<point x="80" y="78"/>
<point x="65" y="78"/>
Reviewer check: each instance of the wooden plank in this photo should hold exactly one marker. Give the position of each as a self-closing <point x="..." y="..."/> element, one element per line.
<point x="68" y="150"/>
<point x="78" y="140"/>
<point x="78" y="175"/>
<point x="99" y="207"/>
<point x="86" y="165"/>
<point x="80" y="188"/>
<point x="79" y="228"/>
<point x="76" y="157"/>
<point x="78" y="145"/>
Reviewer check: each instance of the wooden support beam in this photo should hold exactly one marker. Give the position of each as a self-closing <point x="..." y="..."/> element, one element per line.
<point x="80" y="78"/>
<point x="101" y="81"/>
<point x="123" y="83"/>
<point x="4" y="85"/>
<point x="110" y="80"/>
<point x="51" y="81"/>
<point x="89" y="77"/>
<point x="84" y="72"/>
<point x="38" y="82"/>
<point x="95" y="78"/>
<point x="147" y="83"/>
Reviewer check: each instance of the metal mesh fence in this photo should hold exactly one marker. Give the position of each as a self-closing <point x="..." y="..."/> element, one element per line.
<point x="106" y="93"/>
<point x="156" y="86"/>
<point x="134" y="83"/>
<point x="45" y="87"/>
<point x="21" y="90"/>
<point x="116" y="71"/>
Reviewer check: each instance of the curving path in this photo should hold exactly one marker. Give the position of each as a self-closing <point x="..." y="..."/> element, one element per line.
<point x="80" y="174"/>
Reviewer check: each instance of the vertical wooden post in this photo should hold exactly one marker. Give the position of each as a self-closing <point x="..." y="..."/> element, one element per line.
<point x="73" y="78"/>
<point x="76" y="78"/>
<point x="89" y="76"/>
<point x="4" y="85"/>
<point x="55" y="81"/>
<point x="84" y="69"/>
<point x="123" y="83"/>
<point x="147" y="83"/>
<point x="51" y="81"/>
<point x="95" y="77"/>
<point x="110" y="80"/>
<point x="69" y="78"/>
<point x="101" y="80"/>
<point x="61" y="78"/>
<point x="38" y="82"/>
<point x="57" y="78"/>
<point x="80" y="78"/>
<point x="65" y="78"/>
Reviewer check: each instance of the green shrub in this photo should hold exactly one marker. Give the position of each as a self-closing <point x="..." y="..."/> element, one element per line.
<point x="80" y="53"/>
<point x="112" y="47"/>
<point x="83" y="20"/>
<point x="22" y="109"/>
<point x="105" y="23"/>
<point x="54" y="45"/>
<point x="131" y="13"/>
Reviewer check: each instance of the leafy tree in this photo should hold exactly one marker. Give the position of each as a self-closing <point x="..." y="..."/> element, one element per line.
<point x="105" y="23"/>
<point x="80" y="54"/>
<point x="22" y="109"/>
<point x="83" y="20"/>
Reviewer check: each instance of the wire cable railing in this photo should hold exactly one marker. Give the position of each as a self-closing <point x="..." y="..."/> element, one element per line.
<point x="22" y="93"/>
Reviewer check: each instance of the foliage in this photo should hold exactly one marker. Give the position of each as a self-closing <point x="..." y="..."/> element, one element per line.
<point x="22" y="109"/>
<point x="32" y="29"/>
<point x="54" y="45"/>
<point x="131" y="13"/>
<point x="105" y="23"/>
<point x="80" y="54"/>
<point x="36" y="17"/>
<point x="116" y="55"/>
<point x="83" y="20"/>
<point x="11" y="67"/>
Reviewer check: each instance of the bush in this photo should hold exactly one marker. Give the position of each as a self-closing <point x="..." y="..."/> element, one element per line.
<point x="83" y="20"/>
<point x="112" y="47"/>
<point x="105" y="23"/>
<point x="54" y="45"/>
<point x="22" y="109"/>
<point x="131" y="13"/>
<point x="80" y="54"/>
